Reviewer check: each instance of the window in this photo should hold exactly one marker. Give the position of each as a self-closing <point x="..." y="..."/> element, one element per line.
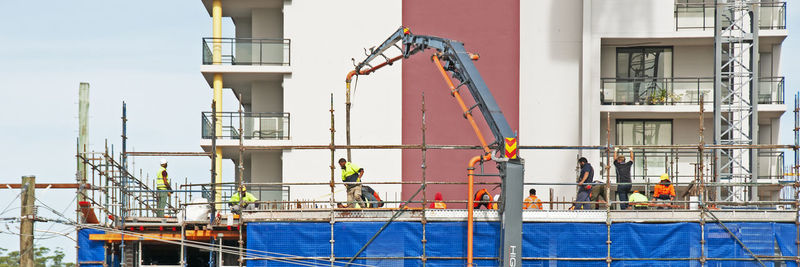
<point x="641" y="62"/>
<point x="646" y="132"/>
<point x="641" y="73"/>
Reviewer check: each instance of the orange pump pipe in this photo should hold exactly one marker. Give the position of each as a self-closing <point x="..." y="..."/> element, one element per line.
<point x="472" y="162"/>
<point x="370" y="70"/>
<point x="347" y="94"/>
<point x="467" y="113"/>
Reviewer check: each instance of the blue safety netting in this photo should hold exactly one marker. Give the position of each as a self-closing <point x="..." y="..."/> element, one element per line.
<point x="583" y="243"/>
<point x="89" y="250"/>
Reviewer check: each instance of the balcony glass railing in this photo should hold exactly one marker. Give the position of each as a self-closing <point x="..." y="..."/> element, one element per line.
<point x="682" y="165"/>
<point x="263" y="125"/>
<point x="248" y="51"/>
<point x="677" y="91"/>
<point x="700" y="15"/>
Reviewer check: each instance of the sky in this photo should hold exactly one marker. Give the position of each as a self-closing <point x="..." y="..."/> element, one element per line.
<point x="146" y="53"/>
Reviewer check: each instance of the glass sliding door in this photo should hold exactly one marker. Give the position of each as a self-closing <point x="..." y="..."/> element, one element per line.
<point x="646" y="132"/>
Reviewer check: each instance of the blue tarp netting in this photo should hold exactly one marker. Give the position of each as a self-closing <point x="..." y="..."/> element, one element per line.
<point x="542" y="240"/>
<point x="88" y="250"/>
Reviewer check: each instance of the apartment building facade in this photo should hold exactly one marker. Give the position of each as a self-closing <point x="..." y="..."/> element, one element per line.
<point x="562" y="71"/>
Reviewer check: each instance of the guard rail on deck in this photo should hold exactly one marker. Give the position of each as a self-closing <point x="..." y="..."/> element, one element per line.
<point x="677" y="90"/>
<point x="700" y="16"/>
<point x="255" y="125"/>
<point x="248" y="51"/>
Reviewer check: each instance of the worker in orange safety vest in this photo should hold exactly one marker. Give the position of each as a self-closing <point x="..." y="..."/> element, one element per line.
<point x="483" y="198"/>
<point x="532" y="201"/>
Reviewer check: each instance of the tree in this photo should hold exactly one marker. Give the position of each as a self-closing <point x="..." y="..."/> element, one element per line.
<point x="41" y="255"/>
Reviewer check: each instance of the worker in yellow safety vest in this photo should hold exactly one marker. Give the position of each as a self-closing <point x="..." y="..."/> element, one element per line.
<point x="163" y="187"/>
<point x="532" y="201"/>
<point x="351" y="174"/>
<point x="237" y="202"/>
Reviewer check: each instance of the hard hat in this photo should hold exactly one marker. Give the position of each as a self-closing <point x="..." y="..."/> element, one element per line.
<point x="243" y="188"/>
<point x="163" y="161"/>
<point x="664" y="177"/>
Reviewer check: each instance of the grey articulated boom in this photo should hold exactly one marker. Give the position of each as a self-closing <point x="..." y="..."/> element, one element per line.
<point x="459" y="64"/>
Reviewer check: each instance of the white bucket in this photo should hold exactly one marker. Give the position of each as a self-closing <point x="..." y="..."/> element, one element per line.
<point x="694" y="202"/>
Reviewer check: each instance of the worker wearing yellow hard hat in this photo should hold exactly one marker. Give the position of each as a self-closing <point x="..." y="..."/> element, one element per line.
<point x="237" y="202"/>
<point x="664" y="190"/>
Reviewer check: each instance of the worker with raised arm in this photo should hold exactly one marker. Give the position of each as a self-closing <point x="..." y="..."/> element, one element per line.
<point x="532" y="201"/>
<point x="239" y="203"/>
<point x="585" y="180"/>
<point x="163" y="187"/>
<point x="351" y="174"/>
<point x="623" y="176"/>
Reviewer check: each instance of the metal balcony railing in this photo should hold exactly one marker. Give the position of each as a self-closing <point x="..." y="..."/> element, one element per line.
<point x="700" y="15"/>
<point x="677" y="91"/>
<point x="248" y="51"/>
<point x="260" y="126"/>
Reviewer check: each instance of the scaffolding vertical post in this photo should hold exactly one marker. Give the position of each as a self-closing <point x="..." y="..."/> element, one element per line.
<point x="608" y="189"/>
<point x="332" y="258"/>
<point x="795" y="169"/>
<point x="240" y="178"/>
<point x="212" y="197"/>
<point x="701" y="182"/>
<point x="424" y="166"/>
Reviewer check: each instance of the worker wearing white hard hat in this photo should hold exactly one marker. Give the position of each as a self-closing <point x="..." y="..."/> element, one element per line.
<point x="163" y="187"/>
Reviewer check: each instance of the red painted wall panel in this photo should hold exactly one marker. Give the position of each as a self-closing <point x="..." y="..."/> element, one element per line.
<point x="489" y="28"/>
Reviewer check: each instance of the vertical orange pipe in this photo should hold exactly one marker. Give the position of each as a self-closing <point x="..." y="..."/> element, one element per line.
<point x="471" y="201"/>
<point x="472" y="162"/>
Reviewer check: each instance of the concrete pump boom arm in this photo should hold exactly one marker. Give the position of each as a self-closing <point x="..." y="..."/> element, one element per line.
<point x="456" y="61"/>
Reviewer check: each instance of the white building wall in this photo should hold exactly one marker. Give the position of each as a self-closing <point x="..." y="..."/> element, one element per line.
<point x="550" y="66"/>
<point x="325" y="35"/>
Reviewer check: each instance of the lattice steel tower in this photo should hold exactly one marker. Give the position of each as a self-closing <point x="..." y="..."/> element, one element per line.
<point x="736" y="97"/>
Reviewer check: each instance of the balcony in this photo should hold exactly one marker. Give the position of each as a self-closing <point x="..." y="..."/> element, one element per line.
<point x="682" y="165"/>
<point x="677" y="91"/>
<point x="248" y="51"/>
<point x="700" y="16"/>
<point x="257" y="126"/>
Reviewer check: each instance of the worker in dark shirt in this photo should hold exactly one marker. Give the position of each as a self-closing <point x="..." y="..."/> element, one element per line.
<point x="623" y="176"/>
<point x="585" y="180"/>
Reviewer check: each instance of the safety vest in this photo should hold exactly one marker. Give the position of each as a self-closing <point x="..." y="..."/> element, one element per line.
<point x="350" y="169"/>
<point x="439" y="205"/>
<point x="478" y="196"/>
<point x="532" y="202"/>
<point x="248" y="198"/>
<point x="638" y="199"/>
<point x="162" y="175"/>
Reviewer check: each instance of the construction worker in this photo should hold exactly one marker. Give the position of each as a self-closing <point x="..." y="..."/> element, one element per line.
<point x="237" y="202"/>
<point x="584" y="185"/>
<point x="352" y="174"/>
<point x="371" y="197"/>
<point x="664" y="191"/>
<point x="438" y="202"/>
<point x="532" y="201"/>
<point x="637" y="200"/>
<point x="163" y="187"/>
<point x="623" y="176"/>
<point x="482" y="198"/>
